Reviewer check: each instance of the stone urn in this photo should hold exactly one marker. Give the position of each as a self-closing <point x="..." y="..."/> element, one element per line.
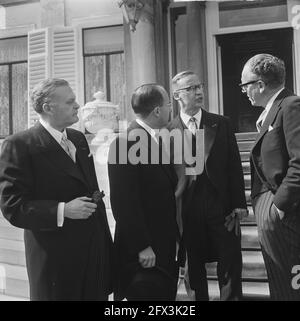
<point x="100" y="114"/>
<point x="101" y="119"/>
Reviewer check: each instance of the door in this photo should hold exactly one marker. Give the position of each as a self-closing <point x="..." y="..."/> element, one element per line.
<point x="236" y="49"/>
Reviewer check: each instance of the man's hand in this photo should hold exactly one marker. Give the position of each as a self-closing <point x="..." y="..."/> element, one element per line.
<point x="80" y="208"/>
<point x="241" y="213"/>
<point x="232" y="221"/>
<point x="147" y="258"/>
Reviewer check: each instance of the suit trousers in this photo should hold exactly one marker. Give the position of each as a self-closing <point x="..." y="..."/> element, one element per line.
<point x="280" y="244"/>
<point x="210" y="240"/>
<point x="229" y="262"/>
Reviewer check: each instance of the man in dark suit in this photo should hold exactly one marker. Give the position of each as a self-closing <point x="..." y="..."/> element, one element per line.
<point x="47" y="181"/>
<point x="142" y="193"/>
<point x="213" y="200"/>
<point x="275" y="171"/>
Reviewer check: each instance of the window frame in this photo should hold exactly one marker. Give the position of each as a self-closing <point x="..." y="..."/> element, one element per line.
<point x="10" y="94"/>
<point x="107" y="61"/>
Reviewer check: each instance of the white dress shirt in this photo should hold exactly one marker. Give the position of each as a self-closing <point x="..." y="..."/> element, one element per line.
<point x="186" y="118"/>
<point x="262" y="117"/>
<point x="153" y="132"/>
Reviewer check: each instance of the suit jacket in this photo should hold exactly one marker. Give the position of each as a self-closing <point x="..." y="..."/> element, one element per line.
<point x="143" y="203"/>
<point x="222" y="161"/>
<point x="63" y="263"/>
<point x="222" y="165"/>
<point x="275" y="156"/>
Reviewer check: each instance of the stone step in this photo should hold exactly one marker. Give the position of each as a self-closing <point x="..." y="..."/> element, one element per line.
<point x="3" y="221"/>
<point x="247" y="179"/>
<point x="253" y="267"/>
<point x="245" y="156"/>
<point x="12" y="298"/>
<point x="246" y="167"/>
<point x="248" y="197"/>
<point x="245" y="146"/>
<point x="12" y="252"/>
<point x="246" y="136"/>
<point x="12" y="233"/>
<point x="257" y="291"/>
<point x="250" y="238"/>
<point x="14" y="280"/>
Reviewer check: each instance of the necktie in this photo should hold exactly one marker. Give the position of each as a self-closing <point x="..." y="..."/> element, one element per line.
<point x="68" y="146"/>
<point x="260" y="120"/>
<point x="192" y="125"/>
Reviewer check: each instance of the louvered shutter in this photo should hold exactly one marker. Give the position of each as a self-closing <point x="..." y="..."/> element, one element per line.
<point x="65" y="65"/>
<point x="38" y="64"/>
<point x="64" y="55"/>
<point x="53" y="52"/>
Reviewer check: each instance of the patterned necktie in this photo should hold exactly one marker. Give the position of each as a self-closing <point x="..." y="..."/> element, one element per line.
<point x="192" y="125"/>
<point x="68" y="146"/>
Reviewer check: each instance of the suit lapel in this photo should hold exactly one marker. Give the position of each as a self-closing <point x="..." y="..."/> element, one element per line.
<point x="271" y="115"/>
<point x="210" y="130"/>
<point x="56" y="155"/>
<point x="81" y="157"/>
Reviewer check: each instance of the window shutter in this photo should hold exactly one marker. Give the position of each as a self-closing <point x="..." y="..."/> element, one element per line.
<point x="38" y="66"/>
<point x="53" y="52"/>
<point x="64" y="55"/>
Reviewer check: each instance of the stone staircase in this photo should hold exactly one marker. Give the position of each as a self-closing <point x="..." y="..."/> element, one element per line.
<point x="13" y="275"/>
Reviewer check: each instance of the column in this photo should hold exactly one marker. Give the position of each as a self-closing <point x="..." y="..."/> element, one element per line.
<point x="140" y="60"/>
<point x="197" y="41"/>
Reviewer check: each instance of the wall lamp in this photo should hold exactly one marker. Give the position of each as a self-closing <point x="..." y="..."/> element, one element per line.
<point x="132" y="10"/>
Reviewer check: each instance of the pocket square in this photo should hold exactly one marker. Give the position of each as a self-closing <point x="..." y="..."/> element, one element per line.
<point x="270" y="128"/>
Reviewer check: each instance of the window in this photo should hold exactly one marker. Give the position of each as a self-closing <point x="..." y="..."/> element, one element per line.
<point x="243" y="13"/>
<point x="103" y="52"/>
<point x="13" y="85"/>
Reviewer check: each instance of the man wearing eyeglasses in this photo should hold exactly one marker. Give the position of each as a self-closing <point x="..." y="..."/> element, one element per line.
<point x="275" y="171"/>
<point x="213" y="201"/>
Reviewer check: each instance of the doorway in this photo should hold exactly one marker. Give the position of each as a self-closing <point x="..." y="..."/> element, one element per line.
<point x="235" y="50"/>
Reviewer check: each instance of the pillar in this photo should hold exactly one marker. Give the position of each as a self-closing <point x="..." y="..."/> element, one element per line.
<point x="197" y="42"/>
<point x="140" y="60"/>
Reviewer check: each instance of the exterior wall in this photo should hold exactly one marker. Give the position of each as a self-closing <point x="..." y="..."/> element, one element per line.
<point x="84" y="10"/>
<point x="37" y="13"/>
<point x="22" y="15"/>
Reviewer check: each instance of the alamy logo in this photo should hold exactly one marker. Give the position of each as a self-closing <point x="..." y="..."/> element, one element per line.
<point x="296" y="279"/>
<point x="167" y="147"/>
<point x="296" y="18"/>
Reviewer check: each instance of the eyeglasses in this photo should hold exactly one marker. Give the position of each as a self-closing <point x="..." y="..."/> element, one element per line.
<point x="191" y="88"/>
<point x="244" y="86"/>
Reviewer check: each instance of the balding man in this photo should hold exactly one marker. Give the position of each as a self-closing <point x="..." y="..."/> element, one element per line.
<point x="142" y="194"/>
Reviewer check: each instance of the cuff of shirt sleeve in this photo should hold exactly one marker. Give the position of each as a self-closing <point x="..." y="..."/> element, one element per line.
<point x="60" y="214"/>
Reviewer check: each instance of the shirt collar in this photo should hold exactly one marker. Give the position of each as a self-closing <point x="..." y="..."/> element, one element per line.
<point x="271" y="101"/>
<point x="186" y="118"/>
<point x="150" y="130"/>
<point x="56" y="134"/>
